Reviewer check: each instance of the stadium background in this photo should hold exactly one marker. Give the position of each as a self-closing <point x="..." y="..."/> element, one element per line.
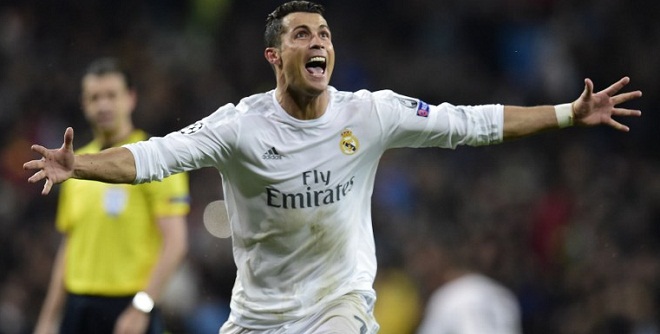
<point x="573" y="216"/>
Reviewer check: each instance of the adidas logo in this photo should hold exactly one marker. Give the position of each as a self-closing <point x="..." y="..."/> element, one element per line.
<point x="271" y="155"/>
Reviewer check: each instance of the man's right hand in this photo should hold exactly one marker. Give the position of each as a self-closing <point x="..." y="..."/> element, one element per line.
<point x="55" y="166"/>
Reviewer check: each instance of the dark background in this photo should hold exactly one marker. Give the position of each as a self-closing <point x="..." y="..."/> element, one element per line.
<point x="571" y="216"/>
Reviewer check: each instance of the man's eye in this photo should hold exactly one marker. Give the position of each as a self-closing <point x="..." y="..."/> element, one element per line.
<point x="301" y="34"/>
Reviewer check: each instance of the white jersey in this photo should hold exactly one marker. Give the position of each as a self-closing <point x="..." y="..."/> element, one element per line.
<point x="472" y="304"/>
<point x="298" y="192"/>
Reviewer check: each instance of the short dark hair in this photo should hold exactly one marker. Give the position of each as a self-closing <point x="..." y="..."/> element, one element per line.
<point x="109" y="65"/>
<point x="273" y="33"/>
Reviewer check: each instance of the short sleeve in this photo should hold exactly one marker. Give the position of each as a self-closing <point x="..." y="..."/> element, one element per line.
<point x="169" y="197"/>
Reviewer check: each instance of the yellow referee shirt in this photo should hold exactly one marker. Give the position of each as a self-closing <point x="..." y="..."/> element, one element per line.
<point x="113" y="240"/>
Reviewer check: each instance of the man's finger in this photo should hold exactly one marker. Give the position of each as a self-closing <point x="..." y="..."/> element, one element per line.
<point x="618" y="126"/>
<point x="39" y="149"/>
<point x="625" y="112"/>
<point x="47" y="186"/>
<point x="615" y="87"/>
<point x="588" y="88"/>
<point x="618" y="99"/>
<point x="68" y="138"/>
<point x="36" y="177"/>
<point x="34" y="164"/>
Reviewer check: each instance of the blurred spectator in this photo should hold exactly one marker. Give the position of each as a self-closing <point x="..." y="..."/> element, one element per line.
<point x="449" y="260"/>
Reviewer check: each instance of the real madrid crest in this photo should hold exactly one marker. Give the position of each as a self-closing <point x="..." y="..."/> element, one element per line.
<point x="348" y="144"/>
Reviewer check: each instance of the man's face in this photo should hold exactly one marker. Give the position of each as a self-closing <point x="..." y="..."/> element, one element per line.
<point x="107" y="102"/>
<point x="306" y="53"/>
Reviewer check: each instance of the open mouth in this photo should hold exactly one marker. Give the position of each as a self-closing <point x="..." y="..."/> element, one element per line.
<point x="316" y="65"/>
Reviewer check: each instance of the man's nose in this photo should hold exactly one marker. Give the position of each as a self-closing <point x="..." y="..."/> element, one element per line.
<point x="317" y="43"/>
<point x="105" y="102"/>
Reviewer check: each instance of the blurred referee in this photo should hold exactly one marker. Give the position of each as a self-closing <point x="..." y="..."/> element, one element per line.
<point x="121" y="243"/>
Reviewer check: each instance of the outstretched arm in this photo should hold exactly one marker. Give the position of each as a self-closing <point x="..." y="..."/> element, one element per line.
<point x="590" y="109"/>
<point x="113" y="165"/>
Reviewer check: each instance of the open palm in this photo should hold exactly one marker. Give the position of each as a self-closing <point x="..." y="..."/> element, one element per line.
<point x="55" y="166"/>
<point x="598" y="108"/>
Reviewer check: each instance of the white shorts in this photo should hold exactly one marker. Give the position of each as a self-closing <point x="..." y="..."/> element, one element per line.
<point x="350" y="314"/>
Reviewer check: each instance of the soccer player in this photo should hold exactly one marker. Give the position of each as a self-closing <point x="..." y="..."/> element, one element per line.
<point x="463" y="298"/>
<point x="298" y="165"/>
<point x="121" y="243"/>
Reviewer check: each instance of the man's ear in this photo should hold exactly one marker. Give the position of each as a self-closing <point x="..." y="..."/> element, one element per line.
<point x="273" y="56"/>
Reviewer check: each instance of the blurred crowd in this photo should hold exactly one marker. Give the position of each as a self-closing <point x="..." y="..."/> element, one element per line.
<point x="568" y="220"/>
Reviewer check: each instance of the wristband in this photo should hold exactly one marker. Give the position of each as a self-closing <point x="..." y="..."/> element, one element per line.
<point x="143" y="302"/>
<point x="564" y="113"/>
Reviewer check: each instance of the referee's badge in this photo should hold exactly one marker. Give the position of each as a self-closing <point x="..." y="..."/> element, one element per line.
<point x="348" y="144"/>
<point x="115" y="200"/>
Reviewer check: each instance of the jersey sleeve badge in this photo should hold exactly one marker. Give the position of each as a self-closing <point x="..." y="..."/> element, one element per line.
<point x="422" y="108"/>
<point x="192" y="128"/>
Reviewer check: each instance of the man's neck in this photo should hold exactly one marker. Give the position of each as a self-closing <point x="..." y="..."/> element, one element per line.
<point x="301" y="106"/>
<point x="110" y="139"/>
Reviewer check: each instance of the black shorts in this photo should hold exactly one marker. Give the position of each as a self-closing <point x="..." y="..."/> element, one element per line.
<point x="85" y="314"/>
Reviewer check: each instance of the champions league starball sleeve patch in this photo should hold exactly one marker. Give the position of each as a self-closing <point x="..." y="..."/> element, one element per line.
<point x="192" y="128"/>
